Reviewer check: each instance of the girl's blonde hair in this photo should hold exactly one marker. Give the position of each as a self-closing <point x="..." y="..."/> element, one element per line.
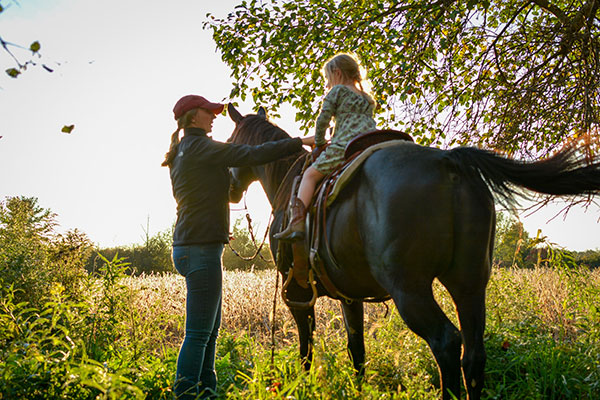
<point x="183" y="122"/>
<point x="348" y="67"/>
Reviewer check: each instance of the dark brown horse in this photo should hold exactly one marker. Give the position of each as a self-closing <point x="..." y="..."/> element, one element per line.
<point x="413" y="214"/>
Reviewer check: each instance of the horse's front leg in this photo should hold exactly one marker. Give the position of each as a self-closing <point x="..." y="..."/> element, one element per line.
<point x="354" y="322"/>
<point x="305" y="320"/>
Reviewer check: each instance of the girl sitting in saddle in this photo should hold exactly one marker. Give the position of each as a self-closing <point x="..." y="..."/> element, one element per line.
<point x="352" y="108"/>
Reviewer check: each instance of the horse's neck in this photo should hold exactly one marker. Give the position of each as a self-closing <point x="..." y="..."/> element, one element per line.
<point x="277" y="184"/>
<point x="270" y="188"/>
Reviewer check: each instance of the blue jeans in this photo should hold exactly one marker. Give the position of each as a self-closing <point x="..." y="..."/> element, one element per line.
<point x="201" y="267"/>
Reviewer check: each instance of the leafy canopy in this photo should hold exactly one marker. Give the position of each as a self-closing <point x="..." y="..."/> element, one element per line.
<point x="511" y="75"/>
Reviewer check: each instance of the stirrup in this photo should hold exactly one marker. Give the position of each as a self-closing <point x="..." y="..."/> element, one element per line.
<point x="291" y="237"/>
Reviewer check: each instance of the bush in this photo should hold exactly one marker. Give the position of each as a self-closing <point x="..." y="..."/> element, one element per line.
<point x="33" y="257"/>
<point x="154" y="256"/>
<point x="514" y="247"/>
<point x="78" y="350"/>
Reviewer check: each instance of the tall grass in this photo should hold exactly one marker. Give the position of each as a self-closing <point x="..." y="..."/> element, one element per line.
<point x="542" y="339"/>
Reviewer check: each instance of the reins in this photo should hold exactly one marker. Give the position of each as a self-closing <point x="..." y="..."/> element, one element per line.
<point x="275" y="207"/>
<point x="252" y="237"/>
<point x="257" y="253"/>
<point x="273" y="318"/>
<point x="276" y="201"/>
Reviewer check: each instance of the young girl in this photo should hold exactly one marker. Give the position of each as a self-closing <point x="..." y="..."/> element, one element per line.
<point x="352" y="109"/>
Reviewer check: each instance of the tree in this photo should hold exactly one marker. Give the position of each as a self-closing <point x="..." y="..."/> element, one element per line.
<point x="33" y="48"/>
<point x="588" y="258"/>
<point x="511" y="243"/>
<point x="33" y="257"/>
<point x="152" y="256"/>
<point x="25" y="233"/>
<point x="511" y="75"/>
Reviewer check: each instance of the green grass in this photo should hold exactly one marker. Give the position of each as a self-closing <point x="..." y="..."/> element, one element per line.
<point x="542" y="340"/>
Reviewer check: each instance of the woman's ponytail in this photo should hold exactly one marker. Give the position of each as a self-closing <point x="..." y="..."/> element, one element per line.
<point x="183" y="122"/>
<point x="172" y="148"/>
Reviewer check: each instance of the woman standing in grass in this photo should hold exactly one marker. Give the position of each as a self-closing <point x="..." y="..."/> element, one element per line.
<point x="200" y="178"/>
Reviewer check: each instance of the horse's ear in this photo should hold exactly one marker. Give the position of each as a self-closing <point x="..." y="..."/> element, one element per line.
<point x="234" y="114"/>
<point x="262" y="112"/>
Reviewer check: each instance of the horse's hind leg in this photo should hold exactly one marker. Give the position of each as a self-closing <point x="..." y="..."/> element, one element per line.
<point x="471" y="313"/>
<point x="354" y="321"/>
<point x="423" y="316"/>
<point x="466" y="281"/>
<point x="469" y="298"/>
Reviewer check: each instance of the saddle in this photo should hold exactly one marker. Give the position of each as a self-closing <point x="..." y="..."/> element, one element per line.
<point x="305" y="252"/>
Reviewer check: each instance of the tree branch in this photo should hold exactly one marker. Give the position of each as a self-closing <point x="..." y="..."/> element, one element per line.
<point x="557" y="12"/>
<point x="5" y="46"/>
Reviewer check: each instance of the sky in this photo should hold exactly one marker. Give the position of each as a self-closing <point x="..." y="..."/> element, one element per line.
<point x="119" y="67"/>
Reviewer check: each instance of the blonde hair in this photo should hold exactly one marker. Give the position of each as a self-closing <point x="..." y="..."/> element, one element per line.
<point x="348" y="67"/>
<point x="182" y="122"/>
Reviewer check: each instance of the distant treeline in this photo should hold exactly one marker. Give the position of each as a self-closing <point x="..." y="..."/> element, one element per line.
<point x="153" y="255"/>
<point x="514" y="246"/>
<point x="31" y="251"/>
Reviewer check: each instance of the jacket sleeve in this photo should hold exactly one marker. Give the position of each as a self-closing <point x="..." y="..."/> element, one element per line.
<point x="328" y="110"/>
<point x="241" y="155"/>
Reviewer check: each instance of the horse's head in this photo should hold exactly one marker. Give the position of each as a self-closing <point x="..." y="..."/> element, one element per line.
<point x="255" y="129"/>
<point x="275" y="177"/>
<point x="241" y="177"/>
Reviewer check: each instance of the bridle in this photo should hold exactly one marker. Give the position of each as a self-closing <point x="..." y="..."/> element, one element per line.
<point x="252" y="236"/>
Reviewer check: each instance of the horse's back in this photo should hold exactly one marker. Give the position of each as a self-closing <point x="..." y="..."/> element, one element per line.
<point x="414" y="216"/>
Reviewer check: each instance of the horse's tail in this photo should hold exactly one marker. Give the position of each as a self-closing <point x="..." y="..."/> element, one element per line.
<point x="565" y="173"/>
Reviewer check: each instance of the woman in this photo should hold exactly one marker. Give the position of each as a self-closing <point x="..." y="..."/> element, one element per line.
<point x="200" y="177"/>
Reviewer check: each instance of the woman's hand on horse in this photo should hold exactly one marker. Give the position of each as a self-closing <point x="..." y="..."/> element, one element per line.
<point x="308" y="141"/>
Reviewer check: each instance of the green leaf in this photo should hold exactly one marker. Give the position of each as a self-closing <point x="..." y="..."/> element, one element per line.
<point x="67" y="128"/>
<point x="35" y="46"/>
<point x="13" y="72"/>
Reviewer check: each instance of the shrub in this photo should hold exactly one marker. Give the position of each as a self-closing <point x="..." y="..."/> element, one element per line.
<point x="33" y="257"/>
<point x="79" y="350"/>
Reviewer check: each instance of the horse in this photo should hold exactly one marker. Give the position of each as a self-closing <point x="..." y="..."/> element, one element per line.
<point x="410" y="215"/>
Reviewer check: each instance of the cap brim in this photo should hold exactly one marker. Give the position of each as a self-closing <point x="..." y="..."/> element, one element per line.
<point x="215" y="107"/>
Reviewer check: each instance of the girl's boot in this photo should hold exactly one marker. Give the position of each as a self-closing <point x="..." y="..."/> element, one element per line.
<point x="296" y="227"/>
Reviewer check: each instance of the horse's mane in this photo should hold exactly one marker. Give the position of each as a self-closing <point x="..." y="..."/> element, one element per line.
<point x="255" y="130"/>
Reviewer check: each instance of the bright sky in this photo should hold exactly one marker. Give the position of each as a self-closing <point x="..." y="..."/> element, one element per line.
<point x="123" y="65"/>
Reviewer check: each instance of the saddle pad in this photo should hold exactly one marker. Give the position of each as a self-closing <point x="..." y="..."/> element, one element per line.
<point x="353" y="166"/>
<point x="365" y="140"/>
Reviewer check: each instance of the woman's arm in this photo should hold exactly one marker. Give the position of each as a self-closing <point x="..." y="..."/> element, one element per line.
<point x="240" y="155"/>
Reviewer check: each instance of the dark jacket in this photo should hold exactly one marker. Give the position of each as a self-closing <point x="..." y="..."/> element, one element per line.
<point x="200" y="178"/>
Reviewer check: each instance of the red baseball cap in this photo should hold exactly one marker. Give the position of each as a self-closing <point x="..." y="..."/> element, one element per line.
<point x="191" y="101"/>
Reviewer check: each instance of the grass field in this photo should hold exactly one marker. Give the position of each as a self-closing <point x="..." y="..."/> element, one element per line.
<point x="542" y="340"/>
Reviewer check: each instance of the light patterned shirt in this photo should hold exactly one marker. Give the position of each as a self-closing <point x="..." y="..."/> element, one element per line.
<point x="353" y="115"/>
